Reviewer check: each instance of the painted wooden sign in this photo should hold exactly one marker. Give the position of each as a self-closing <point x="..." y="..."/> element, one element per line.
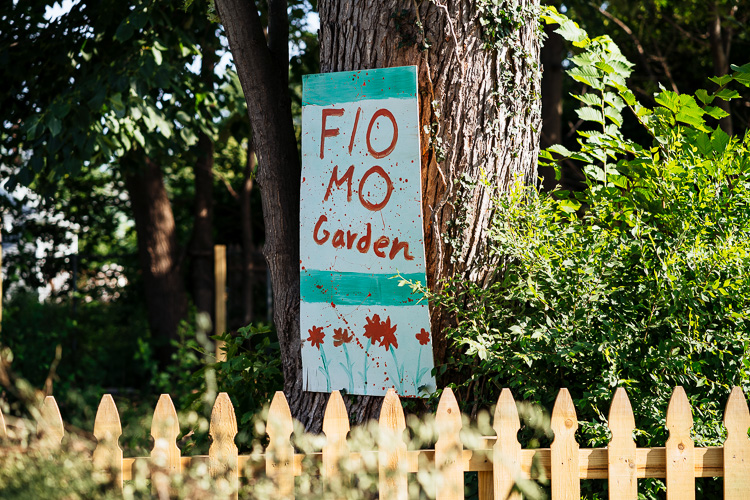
<point x="361" y="226"/>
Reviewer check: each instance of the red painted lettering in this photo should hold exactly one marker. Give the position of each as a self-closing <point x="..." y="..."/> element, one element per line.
<point x="338" y="239"/>
<point x="375" y="206"/>
<point x="335" y="179"/>
<point x="389" y="149"/>
<point x="396" y="248"/>
<point x="364" y="242"/>
<point x="328" y="132"/>
<point x="326" y="234"/>
<point x="354" y="129"/>
<point x="350" y="238"/>
<point x="381" y="243"/>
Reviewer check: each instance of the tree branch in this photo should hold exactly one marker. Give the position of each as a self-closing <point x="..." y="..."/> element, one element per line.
<point x="278" y="33"/>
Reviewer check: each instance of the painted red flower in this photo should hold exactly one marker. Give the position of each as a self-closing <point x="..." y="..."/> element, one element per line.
<point x="316" y="336"/>
<point x="379" y="331"/>
<point x="423" y="337"/>
<point x="341" y="336"/>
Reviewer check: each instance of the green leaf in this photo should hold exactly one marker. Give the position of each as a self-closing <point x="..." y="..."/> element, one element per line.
<point x="559" y="149"/>
<point x="124" y="31"/>
<point x="569" y="206"/>
<point x="54" y="125"/>
<point x="715" y="112"/>
<point x="157" y="55"/>
<point x="727" y="94"/>
<point x="704" y="96"/>
<point x="570" y="31"/>
<point x="668" y="99"/>
<point x="721" y="80"/>
<point x="590" y="114"/>
<point x="719" y="141"/>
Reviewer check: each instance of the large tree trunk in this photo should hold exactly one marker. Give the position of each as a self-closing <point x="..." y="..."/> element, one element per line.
<point x="164" y="290"/>
<point x="248" y="245"/>
<point x="262" y="66"/>
<point x="485" y="119"/>
<point x="478" y="110"/>
<point x="202" y="244"/>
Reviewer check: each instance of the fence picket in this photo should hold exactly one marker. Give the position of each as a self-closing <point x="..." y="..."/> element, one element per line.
<point x="621" y="451"/>
<point x="165" y="456"/>
<point x="3" y="429"/>
<point x="566" y="484"/>
<point x="506" y="453"/>
<point x="335" y="427"/>
<point x="392" y="449"/>
<point x="679" y="448"/>
<point x="50" y="426"/>
<point x="736" y="447"/>
<point x="223" y="459"/>
<point x="449" y="449"/>
<point x="107" y="430"/>
<point x="280" y="453"/>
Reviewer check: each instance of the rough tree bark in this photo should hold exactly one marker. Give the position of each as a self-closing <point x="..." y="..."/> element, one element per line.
<point x="248" y="245"/>
<point x="480" y="116"/>
<point x="164" y="289"/>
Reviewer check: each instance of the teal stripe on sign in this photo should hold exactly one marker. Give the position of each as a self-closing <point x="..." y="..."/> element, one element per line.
<point x="324" y="89"/>
<point x="354" y="289"/>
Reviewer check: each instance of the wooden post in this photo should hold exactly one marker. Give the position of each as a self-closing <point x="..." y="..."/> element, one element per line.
<point x="1" y="275"/>
<point x="506" y="454"/>
<point x="566" y="484"/>
<point x="165" y="456"/>
<point x="50" y="426"/>
<point x="335" y="427"/>
<point x="449" y="448"/>
<point x="220" y="297"/>
<point x="3" y="430"/>
<point x="621" y="451"/>
<point x="679" y="448"/>
<point x="280" y="453"/>
<point x="392" y="449"/>
<point x="736" y="447"/>
<point x="223" y="460"/>
<point x="107" y="430"/>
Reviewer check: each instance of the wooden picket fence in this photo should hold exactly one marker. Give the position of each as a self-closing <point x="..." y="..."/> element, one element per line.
<point x="621" y="463"/>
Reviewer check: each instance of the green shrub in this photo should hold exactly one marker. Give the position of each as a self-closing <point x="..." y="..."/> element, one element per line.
<point x="641" y="281"/>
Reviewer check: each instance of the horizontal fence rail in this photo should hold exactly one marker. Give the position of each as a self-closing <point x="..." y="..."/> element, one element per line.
<point x="499" y="459"/>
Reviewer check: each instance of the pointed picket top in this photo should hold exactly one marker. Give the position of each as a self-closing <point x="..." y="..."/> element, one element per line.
<point x="164" y="429"/>
<point x="622" y="467"/>
<point x="506" y="453"/>
<point x="280" y="453"/>
<point x="223" y="460"/>
<point x="680" y="460"/>
<point x="736" y="447"/>
<point x="392" y="449"/>
<point x="566" y="484"/>
<point x="51" y="426"/>
<point x="3" y="429"/>
<point x="107" y="430"/>
<point x="335" y="427"/>
<point x="449" y="449"/>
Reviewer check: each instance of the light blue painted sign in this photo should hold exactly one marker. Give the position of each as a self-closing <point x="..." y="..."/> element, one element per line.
<point x="360" y="227"/>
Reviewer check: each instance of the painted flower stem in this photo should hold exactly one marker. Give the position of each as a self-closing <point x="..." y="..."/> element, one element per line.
<point x="324" y="369"/>
<point x="349" y="369"/>
<point x="399" y="372"/>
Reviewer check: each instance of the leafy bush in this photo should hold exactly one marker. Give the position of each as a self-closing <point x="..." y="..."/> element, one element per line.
<point x="641" y="281"/>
